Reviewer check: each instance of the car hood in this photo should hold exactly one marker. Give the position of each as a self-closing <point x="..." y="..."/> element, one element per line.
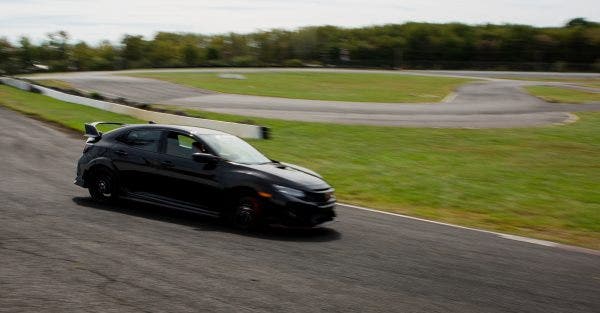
<point x="291" y="175"/>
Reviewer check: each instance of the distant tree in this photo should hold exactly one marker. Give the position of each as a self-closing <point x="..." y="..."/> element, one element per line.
<point x="576" y="46"/>
<point x="134" y="51"/>
<point x="163" y="53"/>
<point x="9" y="62"/>
<point x="580" y="21"/>
<point x="106" y="57"/>
<point x="212" y="53"/>
<point x="26" y="54"/>
<point x="57" y="51"/>
<point x="82" y="56"/>
<point x="191" y="55"/>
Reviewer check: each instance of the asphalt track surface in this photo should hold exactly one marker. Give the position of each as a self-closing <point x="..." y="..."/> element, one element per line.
<point x="60" y="252"/>
<point x="488" y="103"/>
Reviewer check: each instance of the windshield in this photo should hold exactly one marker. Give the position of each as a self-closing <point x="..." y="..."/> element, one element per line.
<point x="234" y="149"/>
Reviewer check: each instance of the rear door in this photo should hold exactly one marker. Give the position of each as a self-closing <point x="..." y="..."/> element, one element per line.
<point x="184" y="179"/>
<point x="136" y="156"/>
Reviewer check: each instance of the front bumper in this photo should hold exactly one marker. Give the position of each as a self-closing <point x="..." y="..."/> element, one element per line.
<point x="297" y="213"/>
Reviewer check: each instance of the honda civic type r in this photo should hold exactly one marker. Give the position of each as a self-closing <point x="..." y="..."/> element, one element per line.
<point x="202" y="171"/>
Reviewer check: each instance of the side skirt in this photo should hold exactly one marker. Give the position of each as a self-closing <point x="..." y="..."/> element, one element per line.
<point x="167" y="202"/>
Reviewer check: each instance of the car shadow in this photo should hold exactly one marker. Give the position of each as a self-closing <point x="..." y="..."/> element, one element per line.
<point x="204" y="223"/>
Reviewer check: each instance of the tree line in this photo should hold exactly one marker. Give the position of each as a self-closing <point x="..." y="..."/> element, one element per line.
<point x="575" y="46"/>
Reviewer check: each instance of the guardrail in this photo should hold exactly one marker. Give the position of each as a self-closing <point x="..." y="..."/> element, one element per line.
<point x="238" y="129"/>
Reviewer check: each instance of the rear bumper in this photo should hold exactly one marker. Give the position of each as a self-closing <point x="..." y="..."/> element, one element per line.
<point x="80" y="182"/>
<point x="80" y="174"/>
<point x="79" y="177"/>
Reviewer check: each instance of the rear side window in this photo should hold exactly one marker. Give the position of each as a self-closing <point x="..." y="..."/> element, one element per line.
<point x="145" y="139"/>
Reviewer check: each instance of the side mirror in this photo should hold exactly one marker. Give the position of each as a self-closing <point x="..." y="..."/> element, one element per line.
<point x="205" y="158"/>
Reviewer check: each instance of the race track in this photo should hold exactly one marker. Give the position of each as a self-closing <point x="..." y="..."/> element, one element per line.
<point x="60" y="252"/>
<point x="488" y="103"/>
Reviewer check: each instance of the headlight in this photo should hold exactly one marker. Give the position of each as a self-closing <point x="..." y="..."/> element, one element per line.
<point x="290" y="191"/>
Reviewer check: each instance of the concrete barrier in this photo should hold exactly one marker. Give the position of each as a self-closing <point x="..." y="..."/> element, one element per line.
<point x="240" y="130"/>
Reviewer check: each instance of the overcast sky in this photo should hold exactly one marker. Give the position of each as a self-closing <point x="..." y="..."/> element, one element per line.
<point x="110" y="19"/>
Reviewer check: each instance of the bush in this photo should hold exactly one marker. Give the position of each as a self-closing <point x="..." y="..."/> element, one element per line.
<point x="293" y="63"/>
<point x="97" y="96"/>
<point x="559" y="66"/>
<point x="596" y="66"/>
<point x="245" y="60"/>
<point x="218" y="63"/>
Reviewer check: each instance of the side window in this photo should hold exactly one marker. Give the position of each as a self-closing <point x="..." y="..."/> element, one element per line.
<point x="145" y="139"/>
<point x="182" y="146"/>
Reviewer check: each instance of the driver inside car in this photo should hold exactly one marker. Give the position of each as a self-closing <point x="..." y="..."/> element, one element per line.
<point x="198" y="147"/>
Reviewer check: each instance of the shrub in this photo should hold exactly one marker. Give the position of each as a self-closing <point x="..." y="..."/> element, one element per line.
<point x="97" y="96"/>
<point x="293" y="63"/>
<point x="245" y="60"/>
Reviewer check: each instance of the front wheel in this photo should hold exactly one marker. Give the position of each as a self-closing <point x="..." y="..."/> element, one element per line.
<point x="103" y="186"/>
<point x="247" y="213"/>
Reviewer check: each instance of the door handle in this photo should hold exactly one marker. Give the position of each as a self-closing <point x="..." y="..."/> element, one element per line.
<point x="121" y="152"/>
<point x="166" y="164"/>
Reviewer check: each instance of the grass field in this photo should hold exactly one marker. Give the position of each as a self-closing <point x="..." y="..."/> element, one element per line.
<point x="542" y="182"/>
<point x="360" y="87"/>
<point x="563" y="95"/>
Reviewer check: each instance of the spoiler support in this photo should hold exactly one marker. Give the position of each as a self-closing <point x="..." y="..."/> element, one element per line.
<point x="91" y="130"/>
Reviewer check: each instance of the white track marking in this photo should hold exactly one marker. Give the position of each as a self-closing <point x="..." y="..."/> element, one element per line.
<point x="450" y="97"/>
<point x="571" y="119"/>
<point x="530" y="240"/>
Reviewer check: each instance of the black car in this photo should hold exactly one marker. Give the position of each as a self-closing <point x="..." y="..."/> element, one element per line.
<point x="202" y="171"/>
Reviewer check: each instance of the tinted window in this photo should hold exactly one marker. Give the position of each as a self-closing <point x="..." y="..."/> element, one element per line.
<point x="234" y="149"/>
<point x="182" y="145"/>
<point x="146" y="139"/>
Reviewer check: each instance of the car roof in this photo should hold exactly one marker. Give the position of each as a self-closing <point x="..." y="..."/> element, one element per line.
<point x="188" y="129"/>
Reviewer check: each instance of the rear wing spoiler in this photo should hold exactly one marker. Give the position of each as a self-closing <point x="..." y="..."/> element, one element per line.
<point x="91" y="130"/>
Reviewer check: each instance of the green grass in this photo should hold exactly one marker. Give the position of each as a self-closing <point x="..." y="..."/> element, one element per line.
<point x="563" y="95"/>
<point x="360" y="87"/>
<point x="541" y="182"/>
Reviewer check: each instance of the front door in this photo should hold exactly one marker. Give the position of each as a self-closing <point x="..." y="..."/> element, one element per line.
<point x="183" y="179"/>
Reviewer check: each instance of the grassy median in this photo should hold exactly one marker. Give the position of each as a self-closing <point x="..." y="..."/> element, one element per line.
<point x="563" y="95"/>
<point x="360" y="87"/>
<point x="541" y="182"/>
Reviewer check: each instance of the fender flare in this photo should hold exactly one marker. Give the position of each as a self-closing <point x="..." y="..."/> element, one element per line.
<point x="101" y="161"/>
<point x="104" y="161"/>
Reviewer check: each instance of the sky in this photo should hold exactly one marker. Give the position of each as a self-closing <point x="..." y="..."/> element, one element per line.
<point x="93" y="21"/>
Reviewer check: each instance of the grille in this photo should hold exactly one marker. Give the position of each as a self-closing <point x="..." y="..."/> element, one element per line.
<point x="319" y="196"/>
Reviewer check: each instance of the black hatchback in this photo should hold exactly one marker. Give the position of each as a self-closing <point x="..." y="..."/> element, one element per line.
<point x="202" y="171"/>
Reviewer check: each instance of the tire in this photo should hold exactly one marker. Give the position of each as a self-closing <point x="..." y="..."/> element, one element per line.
<point x="103" y="186"/>
<point x="246" y="214"/>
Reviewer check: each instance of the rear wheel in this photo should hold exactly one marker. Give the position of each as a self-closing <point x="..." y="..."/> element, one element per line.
<point x="247" y="213"/>
<point x="103" y="186"/>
